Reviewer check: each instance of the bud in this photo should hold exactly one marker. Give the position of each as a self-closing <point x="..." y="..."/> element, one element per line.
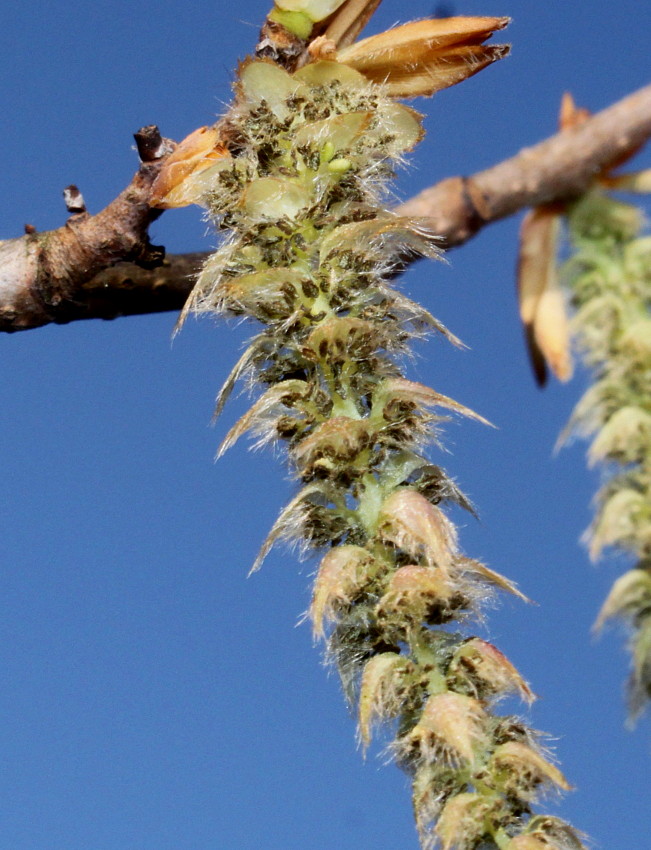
<point x="333" y="447"/>
<point x="463" y="821"/>
<point x="173" y="187"/>
<point x="344" y="338"/>
<point x="616" y="524"/>
<point x="272" y="199"/>
<point x="636" y="338"/>
<point x="625" y="435"/>
<point x="422" y="594"/>
<point x="520" y="770"/>
<point x="421" y="529"/>
<point x="395" y="390"/>
<point x="570" y="115"/>
<point x="549" y="832"/>
<point x="272" y="294"/>
<point x="382" y="691"/>
<point x="551" y="330"/>
<point x="343" y="571"/>
<point x="451" y="727"/>
<point x="423" y="57"/>
<point x="261" y="416"/>
<point x="630" y="594"/>
<point x="290" y="524"/>
<point x="542" y="302"/>
<point x="372" y="240"/>
<point x="489" y="670"/>
<point x="262" y="81"/>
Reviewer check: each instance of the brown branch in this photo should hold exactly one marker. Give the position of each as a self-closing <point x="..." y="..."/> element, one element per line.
<point x="559" y="169"/>
<point x="45" y="277"/>
<point x="70" y="273"/>
<point x="128" y="289"/>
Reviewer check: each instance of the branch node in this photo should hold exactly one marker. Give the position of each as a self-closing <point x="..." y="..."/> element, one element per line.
<point x="277" y="43"/>
<point x="151" y="256"/>
<point x="478" y="208"/>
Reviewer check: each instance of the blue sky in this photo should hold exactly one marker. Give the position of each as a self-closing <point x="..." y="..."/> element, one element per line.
<point x="152" y="697"/>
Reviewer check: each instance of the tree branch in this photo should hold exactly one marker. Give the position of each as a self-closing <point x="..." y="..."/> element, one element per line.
<point x="75" y="272"/>
<point x="559" y="169"/>
<point x="48" y="277"/>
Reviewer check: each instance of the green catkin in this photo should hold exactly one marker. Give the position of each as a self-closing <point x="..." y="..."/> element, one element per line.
<point x="310" y="256"/>
<point x="609" y="278"/>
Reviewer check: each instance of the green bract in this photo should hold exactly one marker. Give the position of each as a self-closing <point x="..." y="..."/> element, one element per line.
<point x="298" y="16"/>
<point x="317" y="10"/>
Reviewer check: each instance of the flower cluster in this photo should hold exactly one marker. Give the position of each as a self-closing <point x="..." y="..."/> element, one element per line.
<point x="300" y="184"/>
<point x="609" y="276"/>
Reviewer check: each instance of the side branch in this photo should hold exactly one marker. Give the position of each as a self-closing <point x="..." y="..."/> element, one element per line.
<point x="76" y="272"/>
<point x="48" y="277"/>
<point x="559" y="169"/>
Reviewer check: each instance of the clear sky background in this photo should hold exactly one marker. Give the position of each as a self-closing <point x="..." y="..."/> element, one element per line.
<point x="151" y="696"/>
